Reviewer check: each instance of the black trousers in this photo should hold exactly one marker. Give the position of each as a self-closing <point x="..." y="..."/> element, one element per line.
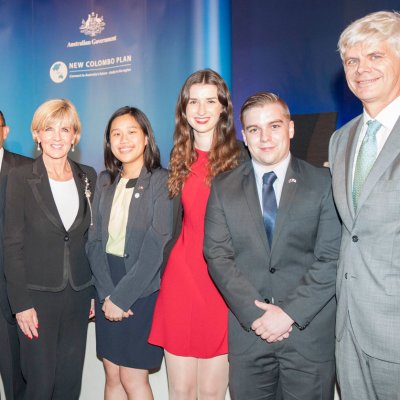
<point x="52" y="364"/>
<point x="10" y="366"/>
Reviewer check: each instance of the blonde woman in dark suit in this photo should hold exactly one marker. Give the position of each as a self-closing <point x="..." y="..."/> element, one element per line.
<point x="47" y="216"/>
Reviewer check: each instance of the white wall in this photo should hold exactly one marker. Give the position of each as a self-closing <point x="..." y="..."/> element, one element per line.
<point x="93" y="375"/>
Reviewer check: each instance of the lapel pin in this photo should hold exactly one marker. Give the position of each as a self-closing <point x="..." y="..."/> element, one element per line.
<point x="137" y="195"/>
<point x="140" y="187"/>
<point x="292" y="180"/>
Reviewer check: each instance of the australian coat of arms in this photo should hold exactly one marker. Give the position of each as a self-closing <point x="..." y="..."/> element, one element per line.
<point x="93" y="25"/>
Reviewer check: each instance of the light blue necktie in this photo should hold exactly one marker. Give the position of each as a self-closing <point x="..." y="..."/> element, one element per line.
<point x="269" y="204"/>
<point x="365" y="160"/>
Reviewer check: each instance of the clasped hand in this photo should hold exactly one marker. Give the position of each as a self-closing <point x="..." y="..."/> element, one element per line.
<point x="274" y="325"/>
<point x="114" y="313"/>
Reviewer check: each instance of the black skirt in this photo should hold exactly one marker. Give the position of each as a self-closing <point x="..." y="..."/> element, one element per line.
<point x="125" y="342"/>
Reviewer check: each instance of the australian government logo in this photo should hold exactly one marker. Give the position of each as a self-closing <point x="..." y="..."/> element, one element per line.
<point x="92" y="26"/>
<point x="111" y="65"/>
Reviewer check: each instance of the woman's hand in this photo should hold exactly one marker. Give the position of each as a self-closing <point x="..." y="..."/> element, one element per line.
<point x="92" y="312"/>
<point x="112" y="312"/>
<point x="28" y="322"/>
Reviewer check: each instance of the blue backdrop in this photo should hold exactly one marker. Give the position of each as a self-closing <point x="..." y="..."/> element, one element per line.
<point x="104" y="54"/>
<point x="289" y="47"/>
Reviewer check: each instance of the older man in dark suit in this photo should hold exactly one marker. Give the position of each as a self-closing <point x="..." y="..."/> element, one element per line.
<point x="10" y="368"/>
<point x="271" y="242"/>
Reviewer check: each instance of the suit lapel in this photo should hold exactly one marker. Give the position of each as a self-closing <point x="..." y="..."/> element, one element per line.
<point x="41" y="190"/>
<point x="135" y="206"/>
<point x="105" y="207"/>
<point x="6" y="164"/>
<point x="353" y="134"/>
<point x="289" y="189"/>
<point x="79" y="177"/>
<point x="250" y="191"/>
<point x="384" y="160"/>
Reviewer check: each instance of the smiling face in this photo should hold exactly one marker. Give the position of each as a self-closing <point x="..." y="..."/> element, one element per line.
<point x="267" y="131"/>
<point x="128" y="142"/>
<point x="203" y="110"/>
<point x="56" y="139"/>
<point x="373" y="74"/>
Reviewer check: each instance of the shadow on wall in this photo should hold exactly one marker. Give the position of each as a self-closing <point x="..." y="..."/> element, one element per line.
<point x="312" y="134"/>
<point x="347" y="104"/>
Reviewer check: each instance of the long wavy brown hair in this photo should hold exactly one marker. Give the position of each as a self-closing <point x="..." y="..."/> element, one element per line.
<point x="225" y="151"/>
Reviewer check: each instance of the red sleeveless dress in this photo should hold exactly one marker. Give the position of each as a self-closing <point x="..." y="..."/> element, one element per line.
<point x="191" y="317"/>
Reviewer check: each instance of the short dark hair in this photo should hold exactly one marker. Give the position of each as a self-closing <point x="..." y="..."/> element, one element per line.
<point x="260" y="99"/>
<point x="151" y="152"/>
<point x="2" y="119"/>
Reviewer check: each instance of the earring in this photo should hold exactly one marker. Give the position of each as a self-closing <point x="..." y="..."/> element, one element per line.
<point x="73" y="147"/>
<point x="38" y="146"/>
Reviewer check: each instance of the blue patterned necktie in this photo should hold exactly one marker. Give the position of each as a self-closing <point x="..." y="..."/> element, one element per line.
<point x="365" y="160"/>
<point x="269" y="204"/>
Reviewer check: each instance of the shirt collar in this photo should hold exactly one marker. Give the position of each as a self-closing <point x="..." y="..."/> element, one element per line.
<point x="279" y="169"/>
<point x="1" y="156"/>
<point x="388" y="116"/>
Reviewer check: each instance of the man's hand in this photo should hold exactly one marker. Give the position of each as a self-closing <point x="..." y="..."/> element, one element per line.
<point x="275" y="325"/>
<point x="112" y="312"/>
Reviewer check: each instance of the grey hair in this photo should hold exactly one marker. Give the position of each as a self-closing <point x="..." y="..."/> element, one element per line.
<point x="373" y="28"/>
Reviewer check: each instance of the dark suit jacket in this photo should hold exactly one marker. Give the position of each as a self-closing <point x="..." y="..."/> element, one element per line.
<point x="10" y="160"/>
<point x="298" y="271"/>
<point x="39" y="254"/>
<point x="148" y="230"/>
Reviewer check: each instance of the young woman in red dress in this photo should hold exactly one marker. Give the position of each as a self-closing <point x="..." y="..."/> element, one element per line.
<point x="191" y="318"/>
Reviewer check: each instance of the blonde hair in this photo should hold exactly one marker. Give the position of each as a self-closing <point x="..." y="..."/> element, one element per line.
<point x="376" y="27"/>
<point x="56" y="110"/>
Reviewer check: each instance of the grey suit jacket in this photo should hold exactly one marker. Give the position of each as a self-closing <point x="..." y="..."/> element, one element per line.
<point x="299" y="269"/>
<point x="148" y="229"/>
<point x="10" y="160"/>
<point x="368" y="281"/>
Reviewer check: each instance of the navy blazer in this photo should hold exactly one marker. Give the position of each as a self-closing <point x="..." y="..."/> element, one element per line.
<point x="148" y="230"/>
<point x="39" y="253"/>
<point x="10" y="160"/>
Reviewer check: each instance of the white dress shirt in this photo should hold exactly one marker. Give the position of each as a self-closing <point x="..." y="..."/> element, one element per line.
<point x="388" y="118"/>
<point x="1" y="157"/>
<point x="65" y="194"/>
<point x="280" y="172"/>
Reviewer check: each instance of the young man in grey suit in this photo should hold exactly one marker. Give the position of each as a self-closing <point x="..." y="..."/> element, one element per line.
<point x="365" y="163"/>
<point x="10" y="368"/>
<point x="271" y="242"/>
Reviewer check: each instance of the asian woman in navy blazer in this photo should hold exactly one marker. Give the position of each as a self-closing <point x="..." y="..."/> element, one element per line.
<point x="49" y="281"/>
<point x="132" y="224"/>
